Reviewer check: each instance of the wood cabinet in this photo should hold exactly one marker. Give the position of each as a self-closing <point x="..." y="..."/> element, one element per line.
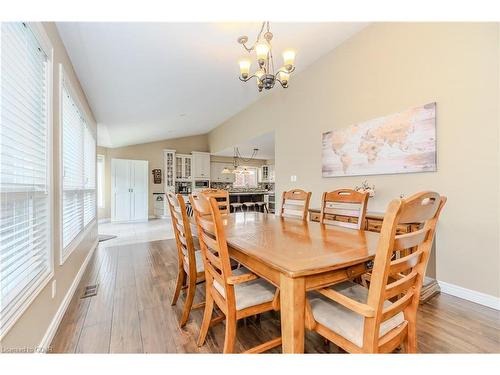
<point x="216" y="174"/>
<point x="201" y="165"/>
<point x="183" y="167"/>
<point x="373" y="222"/>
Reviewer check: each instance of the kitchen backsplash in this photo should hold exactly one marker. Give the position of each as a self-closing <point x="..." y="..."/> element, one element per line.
<point x="226" y="186"/>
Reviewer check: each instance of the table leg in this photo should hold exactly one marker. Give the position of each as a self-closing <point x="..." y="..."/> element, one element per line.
<point x="292" y="298"/>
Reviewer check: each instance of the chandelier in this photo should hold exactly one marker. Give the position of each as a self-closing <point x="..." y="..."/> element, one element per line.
<point x="265" y="74"/>
<point x="236" y="166"/>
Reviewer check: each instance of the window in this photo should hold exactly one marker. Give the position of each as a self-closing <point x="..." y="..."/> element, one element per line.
<point x="100" y="181"/>
<point x="78" y="171"/>
<point x="246" y="177"/>
<point x="25" y="168"/>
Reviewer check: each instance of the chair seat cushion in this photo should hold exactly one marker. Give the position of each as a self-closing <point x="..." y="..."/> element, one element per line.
<point x="251" y="293"/>
<point x="343" y="321"/>
<point x="199" y="261"/>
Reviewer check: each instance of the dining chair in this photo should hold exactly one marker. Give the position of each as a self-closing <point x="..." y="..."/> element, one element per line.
<point x="190" y="263"/>
<point x="344" y="207"/>
<point x="295" y="204"/>
<point x="364" y="320"/>
<point x="238" y="293"/>
<point x="222" y="197"/>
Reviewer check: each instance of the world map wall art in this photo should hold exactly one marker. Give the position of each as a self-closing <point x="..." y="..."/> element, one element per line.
<point x="404" y="142"/>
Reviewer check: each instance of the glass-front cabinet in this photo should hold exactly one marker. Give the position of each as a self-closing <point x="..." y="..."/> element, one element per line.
<point x="183" y="167"/>
<point x="170" y="169"/>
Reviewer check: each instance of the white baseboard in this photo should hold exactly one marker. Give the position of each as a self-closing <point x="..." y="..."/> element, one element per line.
<point x="54" y="324"/>
<point x="470" y="295"/>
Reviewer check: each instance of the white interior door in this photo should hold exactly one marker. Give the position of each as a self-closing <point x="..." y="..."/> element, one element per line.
<point x="120" y="194"/>
<point x="139" y="186"/>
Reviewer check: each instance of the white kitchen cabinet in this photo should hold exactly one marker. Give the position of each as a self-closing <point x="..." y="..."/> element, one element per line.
<point x="201" y="165"/>
<point x="129" y="194"/>
<point x="216" y="174"/>
<point x="161" y="211"/>
<point x="183" y="169"/>
<point x="169" y="170"/>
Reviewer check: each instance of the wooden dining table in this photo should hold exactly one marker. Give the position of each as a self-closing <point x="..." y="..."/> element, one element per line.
<point x="297" y="256"/>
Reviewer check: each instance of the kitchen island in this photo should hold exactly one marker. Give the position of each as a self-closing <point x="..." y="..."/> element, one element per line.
<point x="252" y="196"/>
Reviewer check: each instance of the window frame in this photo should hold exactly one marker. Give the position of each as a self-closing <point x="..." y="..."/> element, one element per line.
<point x="64" y="255"/>
<point x="98" y="190"/>
<point x="34" y="290"/>
<point x="256" y="169"/>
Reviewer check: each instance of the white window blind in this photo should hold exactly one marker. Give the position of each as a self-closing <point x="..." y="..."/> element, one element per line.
<point x="78" y="166"/>
<point x="25" y="220"/>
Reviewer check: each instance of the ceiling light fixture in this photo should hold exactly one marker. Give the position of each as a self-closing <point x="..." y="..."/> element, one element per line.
<point x="236" y="166"/>
<point x="266" y="77"/>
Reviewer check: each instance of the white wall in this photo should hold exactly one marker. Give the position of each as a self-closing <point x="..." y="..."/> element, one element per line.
<point x="386" y="68"/>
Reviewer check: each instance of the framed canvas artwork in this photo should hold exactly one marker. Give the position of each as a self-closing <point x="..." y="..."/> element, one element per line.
<point x="403" y="142"/>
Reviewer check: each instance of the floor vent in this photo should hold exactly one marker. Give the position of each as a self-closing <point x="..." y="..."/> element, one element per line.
<point x="90" y="291"/>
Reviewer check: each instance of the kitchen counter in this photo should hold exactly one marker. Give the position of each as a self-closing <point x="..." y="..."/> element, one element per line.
<point x="257" y="192"/>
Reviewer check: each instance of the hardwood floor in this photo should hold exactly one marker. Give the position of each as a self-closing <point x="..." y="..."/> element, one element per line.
<point x="131" y="313"/>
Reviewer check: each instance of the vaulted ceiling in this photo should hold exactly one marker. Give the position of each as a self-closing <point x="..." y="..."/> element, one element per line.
<point x="152" y="81"/>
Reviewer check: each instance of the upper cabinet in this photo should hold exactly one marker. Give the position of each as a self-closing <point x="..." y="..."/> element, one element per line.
<point x="183" y="169"/>
<point x="266" y="173"/>
<point x="216" y="174"/>
<point x="169" y="169"/>
<point x="201" y="165"/>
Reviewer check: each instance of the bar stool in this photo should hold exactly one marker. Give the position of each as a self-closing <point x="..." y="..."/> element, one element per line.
<point x="235" y="206"/>
<point x="261" y="206"/>
<point x="248" y="205"/>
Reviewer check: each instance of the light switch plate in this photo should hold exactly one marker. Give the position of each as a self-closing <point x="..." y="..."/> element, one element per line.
<point x="293" y="178"/>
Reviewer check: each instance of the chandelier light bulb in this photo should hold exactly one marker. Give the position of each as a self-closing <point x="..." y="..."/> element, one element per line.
<point x="262" y="50"/>
<point x="289" y="59"/>
<point x="244" y="68"/>
<point x="284" y="76"/>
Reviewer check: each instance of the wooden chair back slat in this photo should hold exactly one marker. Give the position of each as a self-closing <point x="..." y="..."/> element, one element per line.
<point x="221" y="196"/>
<point x="409" y="240"/>
<point x="400" y="286"/>
<point x="397" y="306"/>
<point x="420" y="210"/>
<point x="345" y="203"/>
<point x="423" y="208"/>
<point x="213" y="243"/>
<point x="182" y="231"/>
<point x="295" y="204"/>
<point x="405" y="263"/>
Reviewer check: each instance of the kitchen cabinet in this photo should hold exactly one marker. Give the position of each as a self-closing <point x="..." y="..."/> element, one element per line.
<point x="216" y="174"/>
<point x="161" y="211"/>
<point x="201" y="165"/>
<point x="183" y="169"/>
<point x="129" y="192"/>
<point x="266" y="173"/>
<point x="169" y="170"/>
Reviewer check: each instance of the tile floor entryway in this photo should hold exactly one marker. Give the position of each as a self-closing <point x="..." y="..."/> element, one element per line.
<point x="128" y="233"/>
